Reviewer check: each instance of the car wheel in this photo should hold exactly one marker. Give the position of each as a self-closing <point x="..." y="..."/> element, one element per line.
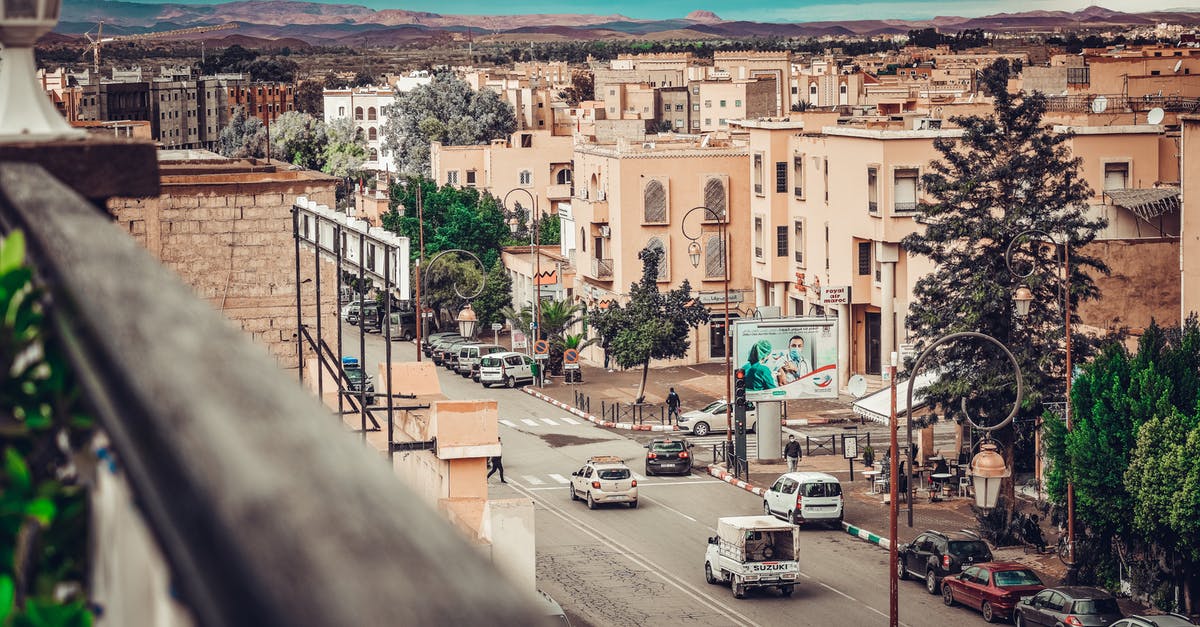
<point x="510" y="383"/>
<point x="947" y="595"/>
<point x="485" y="383"/>
<point x="901" y="572"/>
<point x="700" y="430"/>
<point x="989" y="614"/>
<point x="591" y="502"/>
<point x="649" y="473"/>
<point x="739" y="589"/>
<point x="708" y="574"/>
<point x="931" y="581"/>
<point x="786" y="590"/>
<point x="1018" y="621"/>
<point x="574" y="497"/>
<point x="633" y="505"/>
<point x="475" y="378"/>
<point x="795" y="518"/>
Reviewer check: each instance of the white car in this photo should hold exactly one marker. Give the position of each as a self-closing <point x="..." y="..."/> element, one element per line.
<point x="801" y="497"/>
<point x="701" y="422"/>
<point x="508" y="368"/>
<point x="604" y="479"/>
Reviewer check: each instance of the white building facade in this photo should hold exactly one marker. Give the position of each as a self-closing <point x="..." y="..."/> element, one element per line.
<point x="367" y="107"/>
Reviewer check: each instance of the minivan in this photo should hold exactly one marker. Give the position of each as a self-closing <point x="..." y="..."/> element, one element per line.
<point x="506" y="368"/>
<point x="468" y="358"/>
<point x="447" y="354"/>
<point x="801" y="497"/>
<point x="403" y="326"/>
<point x="371" y="309"/>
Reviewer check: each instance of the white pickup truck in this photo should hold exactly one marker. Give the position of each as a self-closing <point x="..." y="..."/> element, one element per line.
<point x="753" y="552"/>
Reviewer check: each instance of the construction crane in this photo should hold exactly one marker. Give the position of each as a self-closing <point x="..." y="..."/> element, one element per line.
<point x="94" y="43"/>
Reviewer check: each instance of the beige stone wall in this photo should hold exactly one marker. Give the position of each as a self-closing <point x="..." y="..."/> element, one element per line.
<point x="1142" y="285"/>
<point x="230" y="238"/>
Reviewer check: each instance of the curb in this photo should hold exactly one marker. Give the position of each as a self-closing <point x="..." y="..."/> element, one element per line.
<point x="590" y="418"/>
<point x="863" y="534"/>
<point x="808" y="422"/>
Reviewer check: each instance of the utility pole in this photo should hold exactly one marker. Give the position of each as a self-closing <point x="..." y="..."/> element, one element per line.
<point x="417" y="277"/>
<point x="893" y="512"/>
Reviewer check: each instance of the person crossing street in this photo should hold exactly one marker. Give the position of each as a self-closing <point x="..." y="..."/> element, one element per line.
<point x="791" y="451"/>
<point x="672" y="406"/>
<point x="497" y="465"/>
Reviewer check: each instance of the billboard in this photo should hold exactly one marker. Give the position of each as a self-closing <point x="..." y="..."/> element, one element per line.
<point x="787" y="358"/>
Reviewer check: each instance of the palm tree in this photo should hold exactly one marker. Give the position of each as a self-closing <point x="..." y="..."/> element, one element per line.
<point x="518" y="318"/>
<point x="558" y="316"/>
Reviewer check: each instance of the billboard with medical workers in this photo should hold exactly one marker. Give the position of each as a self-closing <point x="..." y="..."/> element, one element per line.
<point x="787" y="358"/>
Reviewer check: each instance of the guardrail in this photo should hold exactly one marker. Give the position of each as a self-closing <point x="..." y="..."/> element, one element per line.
<point x="266" y="511"/>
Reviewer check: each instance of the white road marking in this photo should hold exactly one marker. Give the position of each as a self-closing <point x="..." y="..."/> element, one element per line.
<point x="569" y="421"/>
<point x="532" y="480"/>
<point x="509" y="423"/>
<point x="550" y="422"/>
<point x="532" y="423"/>
<point x="668" y="508"/>
<point x="560" y="478"/>
<point x="835" y="590"/>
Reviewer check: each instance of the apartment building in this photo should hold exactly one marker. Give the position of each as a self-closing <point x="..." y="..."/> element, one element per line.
<point x="769" y="64"/>
<point x="716" y="102"/>
<point x="629" y="196"/>
<point x="366" y="106"/>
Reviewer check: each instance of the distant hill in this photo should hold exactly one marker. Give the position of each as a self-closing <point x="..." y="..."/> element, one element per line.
<point x="350" y="24"/>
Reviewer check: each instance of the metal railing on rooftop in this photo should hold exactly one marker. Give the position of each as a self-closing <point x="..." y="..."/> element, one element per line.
<point x="266" y="510"/>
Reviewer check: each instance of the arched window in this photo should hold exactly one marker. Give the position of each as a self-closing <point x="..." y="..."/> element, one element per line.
<point x="372" y="134"/>
<point x="657" y="244"/>
<point x="525" y="178"/>
<point x="842" y="88"/>
<point x="341" y="112"/>
<point x="374" y="155"/>
<point x="714" y="259"/>
<point x="357" y="113"/>
<point x="714" y="198"/>
<point x="564" y="177"/>
<point x="654" y="209"/>
<point x="371" y="113"/>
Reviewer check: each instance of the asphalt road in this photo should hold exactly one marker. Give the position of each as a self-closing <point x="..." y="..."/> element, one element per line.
<point x="617" y="566"/>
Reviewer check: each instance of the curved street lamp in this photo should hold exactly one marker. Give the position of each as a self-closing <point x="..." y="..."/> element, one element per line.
<point x="467" y="319"/>
<point x="535" y="249"/>
<point x="720" y="216"/>
<point x="1022" y="298"/>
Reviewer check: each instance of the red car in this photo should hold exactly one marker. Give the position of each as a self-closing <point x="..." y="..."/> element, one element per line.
<point x="993" y="588"/>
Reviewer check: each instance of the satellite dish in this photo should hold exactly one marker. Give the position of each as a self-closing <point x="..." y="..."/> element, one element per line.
<point x="858" y="386"/>
<point x="1100" y="104"/>
<point x="1178" y="64"/>
<point x="1155" y="116"/>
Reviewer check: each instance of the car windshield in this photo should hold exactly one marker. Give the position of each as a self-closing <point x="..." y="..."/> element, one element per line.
<point x="714" y="406"/>
<point x="489" y="362"/>
<point x="673" y="446"/>
<point x="968" y="548"/>
<point x="354" y="375"/>
<point x="1011" y="578"/>
<point x="1095" y="606"/>
<point x="613" y="474"/>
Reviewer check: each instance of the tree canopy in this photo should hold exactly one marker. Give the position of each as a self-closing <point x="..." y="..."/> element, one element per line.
<point x="244" y="136"/>
<point x="446" y="110"/>
<point x="345" y="150"/>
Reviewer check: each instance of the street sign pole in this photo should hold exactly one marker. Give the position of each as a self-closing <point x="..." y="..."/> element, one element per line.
<point x="496" y="326"/>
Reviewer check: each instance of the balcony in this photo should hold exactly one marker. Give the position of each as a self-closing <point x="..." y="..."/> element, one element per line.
<point x="560" y="192"/>
<point x="598" y="209"/>
<point x="218" y="470"/>
<point x="601" y="269"/>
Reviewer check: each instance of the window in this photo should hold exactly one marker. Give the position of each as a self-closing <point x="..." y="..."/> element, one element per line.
<point x="696" y="107"/>
<point x="667" y="108"/>
<point x="527" y="140"/>
<point x="781" y="172"/>
<point x="864" y="258"/>
<point x="737" y="103"/>
<point x="1116" y="175"/>
<point x="708" y="121"/>
<point x="452" y="177"/>
<point x="679" y="107"/>
<point x="654" y="207"/>
<point x="358" y="113"/>
<point x="905" y="190"/>
<point x="799" y="244"/>
<point x="758" y="238"/>
<point x="714" y="258"/>
<point x="873" y="190"/>
<point x="722" y="122"/>
<point x="371" y="113"/>
<point x="707" y="104"/>
<point x="696" y="90"/>
<point x="563" y="177"/>
<point x="657" y="244"/>
<point x="722" y="104"/>
<point x="714" y="199"/>
<point x="341" y="112"/>
<point x="471" y="178"/>
<point x="798" y="175"/>
<point x="374" y="155"/>
<point x="758" y="174"/>
<point x="372" y="134"/>
<point x="781" y="241"/>
<point x="525" y="178"/>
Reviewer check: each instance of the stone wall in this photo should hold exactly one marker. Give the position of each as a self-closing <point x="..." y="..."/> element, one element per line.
<point x="227" y="232"/>
<point x="1144" y="283"/>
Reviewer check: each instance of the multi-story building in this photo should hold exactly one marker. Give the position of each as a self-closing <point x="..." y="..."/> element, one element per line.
<point x="367" y="106"/>
<point x="720" y="101"/>
<point x="265" y="101"/>
<point x="175" y="122"/>
<point x="774" y="65"/>
<point x="630" y="196"/>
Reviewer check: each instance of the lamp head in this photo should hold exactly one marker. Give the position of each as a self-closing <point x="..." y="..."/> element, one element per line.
<point x="467" y="320"/>
<point x="988" y="471"/>
<point x="1021" y="299"/>
<point x="694" y="254"/>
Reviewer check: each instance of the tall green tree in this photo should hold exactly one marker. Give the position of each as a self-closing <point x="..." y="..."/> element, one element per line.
<point x="1008" y="172"/>
<point x="446" y="110"/>
<point x="651" y="324"/>
<point x="496" y="295"/>
<point x="345" y="150"/>
<point x="299" y="138"/>
<point x="452" y="218"/>
<point x="310" y="98"/>
<point x="243" y="137"/>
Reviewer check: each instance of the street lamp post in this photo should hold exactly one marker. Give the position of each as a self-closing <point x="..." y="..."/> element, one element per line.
<point x="535" y="248"/>
<point x="466" y="319"/>
<point x="694" y="250"/>
<point x="1022" y="298"/>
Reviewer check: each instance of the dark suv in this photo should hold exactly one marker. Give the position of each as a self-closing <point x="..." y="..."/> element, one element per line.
<point x="935" y="555"/>
<point x="668" y="455"/>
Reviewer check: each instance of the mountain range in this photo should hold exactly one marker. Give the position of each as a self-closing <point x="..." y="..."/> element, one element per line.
<point x="348" y="24"/>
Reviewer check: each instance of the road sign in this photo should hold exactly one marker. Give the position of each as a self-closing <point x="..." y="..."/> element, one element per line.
<point x="541" y="356"/>
<point x="541" y="347"/>
<point x="496" y="326"/>
<point x="571" y="356"/>
<point x="518" y="340"/>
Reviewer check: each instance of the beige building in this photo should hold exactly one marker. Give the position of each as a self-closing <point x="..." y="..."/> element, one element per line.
<point x="536" y="161"/>
<point x="1189" y="241"/>
<point x="716" y="102"/>
<point x="769" y="64"/>
<point x="633" y="195"/>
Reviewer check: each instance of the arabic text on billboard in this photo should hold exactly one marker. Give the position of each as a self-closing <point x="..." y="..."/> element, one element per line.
<point x="789" y="358"/>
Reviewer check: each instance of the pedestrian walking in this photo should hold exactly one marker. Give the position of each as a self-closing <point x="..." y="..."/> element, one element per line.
<point x="497" y="465"/>
<point x="672" y="406"/>
<point x="791" y="452"/>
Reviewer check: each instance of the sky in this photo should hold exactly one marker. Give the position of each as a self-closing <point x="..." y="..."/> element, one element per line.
<point x="755" y="10"/>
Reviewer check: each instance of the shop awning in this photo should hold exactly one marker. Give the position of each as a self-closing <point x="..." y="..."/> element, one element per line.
<point x="1146" y="203"/>
<point x="877" y="406"/>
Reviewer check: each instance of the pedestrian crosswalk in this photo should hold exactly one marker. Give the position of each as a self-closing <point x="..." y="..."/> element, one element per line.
<point x="539" y="423"/>
<point x="717" y="438"/>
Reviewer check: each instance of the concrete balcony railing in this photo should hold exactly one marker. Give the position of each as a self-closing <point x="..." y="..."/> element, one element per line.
<point x="560" y="192"/>
<point x="601" y="268"/>
<point x="260" y="508"/>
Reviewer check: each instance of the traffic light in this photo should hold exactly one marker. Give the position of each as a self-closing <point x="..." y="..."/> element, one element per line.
<point x="739" y="388"/>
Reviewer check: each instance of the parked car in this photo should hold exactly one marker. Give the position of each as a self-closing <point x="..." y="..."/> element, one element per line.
<point x="442" y="345"/>
<point x="468" y="357"/>
<point x="753" y="552"/>
<point x="428" y="342"/>
<point x="604" y="479"/>
<point x="668" y="455"/>
<point x="1160" y="620"/>
<point x="935" y="555"/>
<point x="800" y="497"/>
<point x="403" y="326"/>
<point x="1077" y="606"/>
<point x="358" y="379"/>
<point x="451" y="351"/>
<point x="712" y="419"/>
<point x="508" y="368"/>
<point x="993" y="588"/>
<point x="370" y="311"/>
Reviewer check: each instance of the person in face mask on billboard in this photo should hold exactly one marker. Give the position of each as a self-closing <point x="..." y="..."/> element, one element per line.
<point x="758" y="375"/>
<point x="795" y="362"/>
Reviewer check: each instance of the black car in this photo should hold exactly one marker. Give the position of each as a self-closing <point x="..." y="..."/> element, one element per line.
<point x="1068" y="605"/>
<point x="357" y="378"/>
<point x="935" y="555"/>
<point x="668" y="455"/>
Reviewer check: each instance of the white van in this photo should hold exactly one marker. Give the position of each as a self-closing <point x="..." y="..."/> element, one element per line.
<point x="802" y="497"/>
<point x="468" y="358"/>
<point x="508" y="368"/>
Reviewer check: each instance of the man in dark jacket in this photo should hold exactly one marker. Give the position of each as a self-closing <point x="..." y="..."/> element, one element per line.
<point x="672" y="406"/>
<point x="791" y="451"/>
<point x="497" y="465"/>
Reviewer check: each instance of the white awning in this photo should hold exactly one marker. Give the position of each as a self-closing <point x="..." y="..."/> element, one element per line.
<point x="877" y="406"/>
